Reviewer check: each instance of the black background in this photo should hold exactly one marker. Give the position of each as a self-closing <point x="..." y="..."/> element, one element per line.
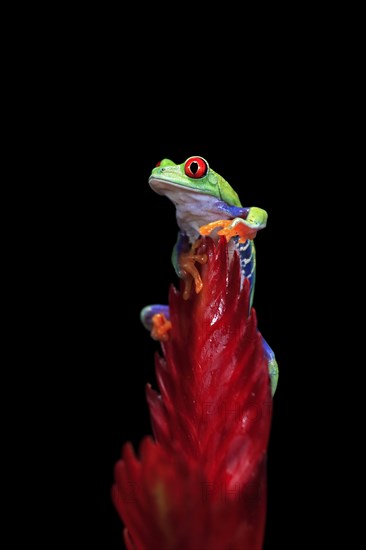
<point x="108" y="255"/>
<point x="118" y="260"/>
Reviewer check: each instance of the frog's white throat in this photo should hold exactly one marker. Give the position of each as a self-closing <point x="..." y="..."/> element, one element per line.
<point x="193" y="208"/>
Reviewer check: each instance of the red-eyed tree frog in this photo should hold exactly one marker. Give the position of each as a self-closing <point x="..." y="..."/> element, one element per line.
<point x="205" y="205"/>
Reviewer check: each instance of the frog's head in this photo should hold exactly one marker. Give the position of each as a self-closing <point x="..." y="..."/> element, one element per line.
<point x="195" y="176"/>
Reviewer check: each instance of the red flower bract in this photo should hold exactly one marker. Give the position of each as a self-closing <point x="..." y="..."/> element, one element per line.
<point x="201" y="482"/>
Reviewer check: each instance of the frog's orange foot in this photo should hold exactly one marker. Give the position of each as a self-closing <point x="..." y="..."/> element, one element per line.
<point x="210" y="227"/>
<point x="230" y="228"/>
<point x="160" y="327"/>
<point x="190" y="272"/>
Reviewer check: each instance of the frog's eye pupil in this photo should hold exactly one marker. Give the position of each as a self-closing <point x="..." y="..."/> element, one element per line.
<point x="196" y="167"/>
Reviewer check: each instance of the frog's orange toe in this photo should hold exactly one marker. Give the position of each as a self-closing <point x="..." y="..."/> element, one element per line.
<point x="230" y="228"/>
<point x="240" y="229"/>
<point x="207" y="229"/>
<point x="160" y="327"/>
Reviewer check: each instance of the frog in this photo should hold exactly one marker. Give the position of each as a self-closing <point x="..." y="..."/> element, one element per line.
<point x="205" y="205"/>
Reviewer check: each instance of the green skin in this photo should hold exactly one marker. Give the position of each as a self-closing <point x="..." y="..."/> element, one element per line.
<point x="210" y="184"/>
<point x="200" y="200"/>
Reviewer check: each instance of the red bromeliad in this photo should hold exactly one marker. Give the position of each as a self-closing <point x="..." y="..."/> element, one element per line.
<point x="200" y="482"/>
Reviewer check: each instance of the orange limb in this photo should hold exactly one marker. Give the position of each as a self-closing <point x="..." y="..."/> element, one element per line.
<point x="161" y="327"/>
<point x="230" y="229"/>
<point x="187" y="262"/>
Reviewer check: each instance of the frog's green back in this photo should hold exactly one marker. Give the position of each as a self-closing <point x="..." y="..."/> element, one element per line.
<point x="226" y="191"/>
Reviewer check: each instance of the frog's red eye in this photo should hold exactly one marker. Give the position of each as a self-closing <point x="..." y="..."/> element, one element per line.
<point x="195" y="167"/>
<point x="158" y="164"/>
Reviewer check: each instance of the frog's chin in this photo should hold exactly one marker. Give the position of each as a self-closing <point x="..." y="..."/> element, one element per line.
<point x="162" y="187"/>
<point x="183" y="196"/>
<point x="193" y="208"/>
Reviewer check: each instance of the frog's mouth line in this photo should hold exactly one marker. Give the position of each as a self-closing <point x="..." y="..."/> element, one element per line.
<point x="160" y="185"/>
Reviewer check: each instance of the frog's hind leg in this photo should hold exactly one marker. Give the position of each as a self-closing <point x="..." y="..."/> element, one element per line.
<point x="148" y="312"/>
<point x="272" y="366"/>
<point x="156" y="319"/>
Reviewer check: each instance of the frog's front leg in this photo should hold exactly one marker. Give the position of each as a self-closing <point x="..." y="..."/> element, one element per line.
<point x="156" y="317"/>
<point x="239" y="227"/>
<point x="188" y="270"/>
<point x="184" y="257"/>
